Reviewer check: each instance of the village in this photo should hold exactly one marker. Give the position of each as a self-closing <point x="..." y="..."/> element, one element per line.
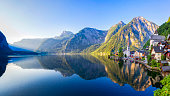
<point x="154" y="56"/>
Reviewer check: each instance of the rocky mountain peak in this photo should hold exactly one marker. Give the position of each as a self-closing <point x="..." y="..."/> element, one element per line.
<point x="88" y="29"/>
<point x="121" y="22"/>
<point x="139" y="18"/>
<point x="142" y="25"/>
<point x="66" y="33"/>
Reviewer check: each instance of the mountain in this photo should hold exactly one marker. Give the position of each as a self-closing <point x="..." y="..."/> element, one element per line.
<point x="91" y="48"/>
<point x="168" y="20"/>
<point x="4" y="48"/>
<point x="164" y="29"/>
<point x="113" y="30"/>
<point x="13" y="48"/>
<point x="84" y="39"/>
<point x="29" y="44"/>
<point x="137" y="32"/>
<point x="65" y="34"/>
<point x="56" y="44"/>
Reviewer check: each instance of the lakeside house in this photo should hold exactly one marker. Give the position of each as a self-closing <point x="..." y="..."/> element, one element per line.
<point x="161" y="48"/>
<point x="140" y="53"/>
<point x="155" y="39"/>
<point x="157" y="52"/>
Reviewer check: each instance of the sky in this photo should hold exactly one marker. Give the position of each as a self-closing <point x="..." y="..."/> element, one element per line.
<point x="48" y="18"/>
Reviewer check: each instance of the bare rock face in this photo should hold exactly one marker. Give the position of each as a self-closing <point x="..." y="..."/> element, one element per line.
<point x="85" y="38"/>
<point x="4" y="48"/>
<point x="137" y="32"/>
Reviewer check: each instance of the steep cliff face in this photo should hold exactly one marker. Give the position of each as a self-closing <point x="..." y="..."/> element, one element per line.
<point x="4" y="48"/>
<point x="85" y="38"/>
<point x="137" y="32"/>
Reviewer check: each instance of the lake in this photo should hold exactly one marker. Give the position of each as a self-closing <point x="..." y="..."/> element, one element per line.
<point x="75" y="75"/>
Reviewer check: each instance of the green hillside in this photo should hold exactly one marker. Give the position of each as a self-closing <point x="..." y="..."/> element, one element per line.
<point x="113" y="30"/>
<point x="164" y="29"/>
<point x="168" y="20"/>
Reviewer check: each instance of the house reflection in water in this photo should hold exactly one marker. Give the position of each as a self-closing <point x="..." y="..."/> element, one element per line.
<point x="135" y="75"/>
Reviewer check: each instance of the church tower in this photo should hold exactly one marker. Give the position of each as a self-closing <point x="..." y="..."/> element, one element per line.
<point x="128" y="47"/>
<point x="127" y="51"/>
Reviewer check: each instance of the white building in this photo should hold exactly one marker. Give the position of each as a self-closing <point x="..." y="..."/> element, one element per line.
<point x="155" y="39"/>
<point x="127" y="51"/>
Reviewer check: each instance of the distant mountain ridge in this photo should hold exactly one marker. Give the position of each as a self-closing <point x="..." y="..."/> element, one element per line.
<point x="56" y="44"/>
<point x="88" y="40"/>
<point x="137" y="32"/>
<point x="29" y="44"/>
<point x="84" y="39"/>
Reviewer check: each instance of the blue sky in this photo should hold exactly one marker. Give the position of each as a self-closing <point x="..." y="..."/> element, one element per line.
<point x="48" y="18"/>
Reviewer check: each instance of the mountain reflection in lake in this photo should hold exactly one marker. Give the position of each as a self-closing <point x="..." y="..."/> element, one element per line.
<point x="77" y="75"/>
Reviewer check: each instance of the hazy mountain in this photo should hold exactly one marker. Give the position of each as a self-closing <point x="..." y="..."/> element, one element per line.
<point x="56" y="44"/>
<point x="136" y="31"/>
<point x="13" y="48"/>
<point x="84" y="39"/>
<point x="29" y="44"/>
<point x="4" y="48"/>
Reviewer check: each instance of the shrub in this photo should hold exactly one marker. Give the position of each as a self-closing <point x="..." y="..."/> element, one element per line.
<point x="149" y="58"/>
<point x="125" y="55"/>
<point x="120" y="52"/>
<point x="153" y="63"/>
<point x="165" y="91"/>
<point x="163" y="57"/>
<point x="143" y="58"/>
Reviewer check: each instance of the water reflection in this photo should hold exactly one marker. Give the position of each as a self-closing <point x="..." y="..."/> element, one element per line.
<point x="91" y="67"/>
<point x="3" y="63"/>
<point x="127" y="72"/>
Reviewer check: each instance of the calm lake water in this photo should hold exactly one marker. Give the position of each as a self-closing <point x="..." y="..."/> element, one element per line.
<point x="74" y="75"/>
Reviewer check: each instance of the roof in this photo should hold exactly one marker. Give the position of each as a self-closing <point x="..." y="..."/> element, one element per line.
<point x="156" y="32"/>
<point x="162" y="42"/>
<point x="157" y="49"/>
<point x="141" y="51"/>
<point x="157" y="37"/>
<point x="132" y="52"/>
<point x="147" y="53"/>
<point x="165" y="68"/>
<point x="164" y="61"/>
<point x="157" y="40"/>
